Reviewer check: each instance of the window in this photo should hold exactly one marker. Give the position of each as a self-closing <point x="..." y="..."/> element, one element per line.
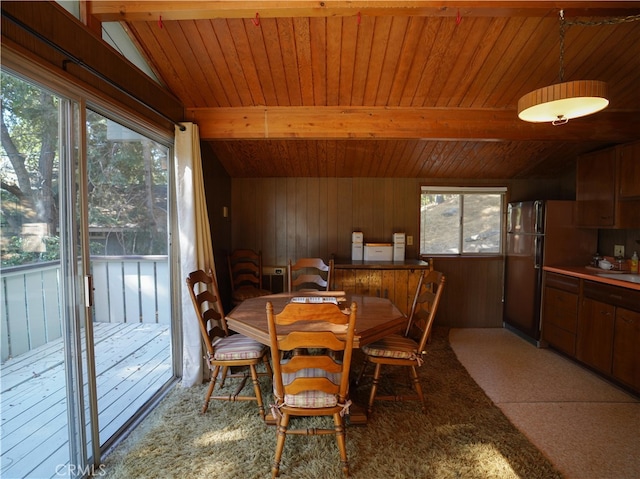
<point x="461" y="220"/>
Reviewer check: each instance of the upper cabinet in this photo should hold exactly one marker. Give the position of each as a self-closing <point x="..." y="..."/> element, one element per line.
<point x="629" y="170"/>
<point x="608" y="187"/>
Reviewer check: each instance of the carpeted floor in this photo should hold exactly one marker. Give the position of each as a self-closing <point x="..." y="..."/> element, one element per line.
<point x="464" y="435"/>
<point x="587" y="427"/>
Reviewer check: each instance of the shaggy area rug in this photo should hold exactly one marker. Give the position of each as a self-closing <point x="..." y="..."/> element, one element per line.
<point x="463" y="435"/>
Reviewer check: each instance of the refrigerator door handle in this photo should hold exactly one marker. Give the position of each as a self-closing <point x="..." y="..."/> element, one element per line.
<point x="537" y="248"/>
<point x="538" y="208"/>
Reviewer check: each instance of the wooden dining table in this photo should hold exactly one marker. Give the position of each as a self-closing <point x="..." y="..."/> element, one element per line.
<point x="375" y="319"/>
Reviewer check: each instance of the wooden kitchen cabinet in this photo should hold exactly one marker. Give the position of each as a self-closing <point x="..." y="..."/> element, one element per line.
<point x="629" y="170"/>
<point x="595" y="187"/>
<point x="608" y="187"/>
<point x="560" y="312"/>
<point x="595" y="334"/>
<point x="597" y="324"/>
<point x="626" y="347"/>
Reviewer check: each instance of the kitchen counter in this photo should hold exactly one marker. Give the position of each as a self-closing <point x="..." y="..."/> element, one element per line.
<point x="592" y="274"/>
<point x="406" y="264"/>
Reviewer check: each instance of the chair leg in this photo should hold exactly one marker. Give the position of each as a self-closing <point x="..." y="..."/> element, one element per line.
<point x="256" y="389"/>
<point x="225" y="370"/>
<point x="418" y="388"/>
<point x="362" y="371"/>
<point x="374" y="387"/>
<point x="338" y="420"/>
<point x="281" y="433"/>
<point x="212" y="384"/>
<point x="267" y="366"/>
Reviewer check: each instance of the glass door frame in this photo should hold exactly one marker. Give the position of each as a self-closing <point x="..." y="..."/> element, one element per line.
<point x="75" y="280"/>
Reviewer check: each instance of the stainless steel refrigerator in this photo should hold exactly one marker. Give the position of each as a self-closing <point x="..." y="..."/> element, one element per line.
<point x="539" y="233"/>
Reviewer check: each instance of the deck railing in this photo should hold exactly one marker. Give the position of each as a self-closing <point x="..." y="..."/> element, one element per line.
<point x="127" y="289"/>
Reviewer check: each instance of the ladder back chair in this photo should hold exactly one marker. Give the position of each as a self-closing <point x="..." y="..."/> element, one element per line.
<point x="245" y="271"/>
<point x="407" y="349"/>
<point x="225" y="350"/>
<point x="309" y="274"/>
<point x="311" y="384"/>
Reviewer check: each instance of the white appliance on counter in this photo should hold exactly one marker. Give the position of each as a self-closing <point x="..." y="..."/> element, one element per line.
<point x="398" y="246"/>
<point x="378" y="252"/>
<point x="357" y="246"/>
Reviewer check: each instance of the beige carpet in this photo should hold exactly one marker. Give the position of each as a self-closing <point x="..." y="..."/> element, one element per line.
<point x="463" y="435"/>
<point x="588" y="428"/>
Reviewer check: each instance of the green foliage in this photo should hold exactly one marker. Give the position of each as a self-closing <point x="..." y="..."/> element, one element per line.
<point x="127" y="178"/>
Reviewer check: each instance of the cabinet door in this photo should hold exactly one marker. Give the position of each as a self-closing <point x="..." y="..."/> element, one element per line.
<point x="595" y="334"/>
<point x="629" y="170"/>
<point x="559" y="319"/>
<point x="595" y="188"/>
<point x="626" y="347"/>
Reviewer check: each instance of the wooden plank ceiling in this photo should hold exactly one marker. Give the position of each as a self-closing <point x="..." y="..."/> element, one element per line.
<point x="388" y="88"/>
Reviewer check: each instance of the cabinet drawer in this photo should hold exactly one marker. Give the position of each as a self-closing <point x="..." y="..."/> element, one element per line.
<point x="563" y="282"/>
<point x="624" y="297"/>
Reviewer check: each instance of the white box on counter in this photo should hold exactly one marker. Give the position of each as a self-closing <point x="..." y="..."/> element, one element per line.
<point x="357" y="237"/>
<point x="398" y="238"/>
<point x="357" y="252"/>
<point x="378" y="252"/>
<point x="398" y="252"/>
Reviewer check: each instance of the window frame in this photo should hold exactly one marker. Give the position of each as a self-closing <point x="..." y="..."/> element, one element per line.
<point x="462" y="191"/>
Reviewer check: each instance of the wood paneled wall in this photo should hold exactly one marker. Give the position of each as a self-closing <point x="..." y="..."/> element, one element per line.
<point x="300" y="217"/>
<point x="473" y="292"/>
<point x="297" y="217"/>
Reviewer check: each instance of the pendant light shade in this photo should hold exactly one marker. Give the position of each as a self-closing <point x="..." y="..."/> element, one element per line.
<point x="563" y="101"/>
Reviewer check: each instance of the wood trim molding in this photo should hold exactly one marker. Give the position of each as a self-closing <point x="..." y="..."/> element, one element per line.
<point x="108" y="10"/>
<point x="61" y="36"/>
<point x="402" y="122"/>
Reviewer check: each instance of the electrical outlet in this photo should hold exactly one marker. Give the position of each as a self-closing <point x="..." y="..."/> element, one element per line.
<point x="409" y="240"/>
<point x="618" y="250"/>
<point x="273" y="270"/>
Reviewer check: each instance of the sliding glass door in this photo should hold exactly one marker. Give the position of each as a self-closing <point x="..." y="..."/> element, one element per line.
<point x="127" y="190"/>
<point x="85" y="328"/>
<point x="42" y="361"/>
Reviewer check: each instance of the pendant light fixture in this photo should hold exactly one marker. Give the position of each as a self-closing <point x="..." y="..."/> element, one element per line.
<point x="563" y="101"/>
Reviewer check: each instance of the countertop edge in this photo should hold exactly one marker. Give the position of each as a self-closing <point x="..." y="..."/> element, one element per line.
<point x="584" y="273"/>
<point x="406" y="264"/>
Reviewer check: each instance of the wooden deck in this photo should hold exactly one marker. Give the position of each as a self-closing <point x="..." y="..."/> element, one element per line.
<point x="133" y="361"/>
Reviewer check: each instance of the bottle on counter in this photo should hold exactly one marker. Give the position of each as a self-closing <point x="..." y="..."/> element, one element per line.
<point x="634" y="263"/>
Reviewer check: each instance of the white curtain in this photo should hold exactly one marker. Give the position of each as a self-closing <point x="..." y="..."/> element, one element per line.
<point x="196" y="251"/>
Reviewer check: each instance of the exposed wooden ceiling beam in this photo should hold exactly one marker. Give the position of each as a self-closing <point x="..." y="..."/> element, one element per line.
<point x="109" y="10"/>
<point x="399" y="122"/>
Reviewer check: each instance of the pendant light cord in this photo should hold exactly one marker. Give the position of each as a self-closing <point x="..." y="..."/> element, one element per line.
<point x="564" y="24"/>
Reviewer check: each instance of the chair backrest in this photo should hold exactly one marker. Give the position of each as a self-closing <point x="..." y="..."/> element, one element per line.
<point x="203" y="289"/>
<point x="245" y="268"/>
<point x="424" y="307"/>
<point x="305" y="327"/>
<point x="309" y="274"/>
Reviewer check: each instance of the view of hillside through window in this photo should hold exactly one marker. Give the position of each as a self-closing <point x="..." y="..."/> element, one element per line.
<point x="460" y="222"/>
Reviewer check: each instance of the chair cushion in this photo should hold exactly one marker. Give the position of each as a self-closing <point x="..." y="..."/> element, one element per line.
<point x="236" y="347"/>
<point x="310" y="399"/>
<point x="392" y="346"/>
<point x="248" y="292"/>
